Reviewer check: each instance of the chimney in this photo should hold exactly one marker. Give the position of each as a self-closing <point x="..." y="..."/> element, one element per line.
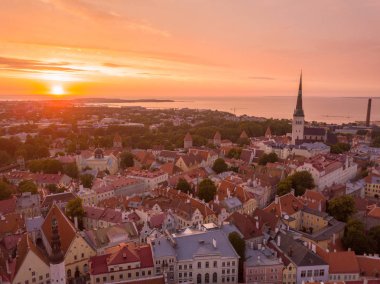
<point x="276" y="199"/>
<point x="214" y="243"/>
<point x="76" y="222"/>
<point x="257" y="224"/>
<point x="368" y="120"/>
<point x="278" y="240"/>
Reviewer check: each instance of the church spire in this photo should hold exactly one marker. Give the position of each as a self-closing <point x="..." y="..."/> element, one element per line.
<point x="56" y="252"/>
<point x="299" y="110"/>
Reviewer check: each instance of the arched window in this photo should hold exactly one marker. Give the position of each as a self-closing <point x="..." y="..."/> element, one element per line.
<point x="199" y="279"/>
<point x="207" y="278"/>
<point x="215" y="277"/>
<point x="69" y="273"/>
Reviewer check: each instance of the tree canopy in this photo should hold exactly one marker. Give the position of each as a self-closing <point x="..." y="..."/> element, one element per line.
<point x="268" y="158"/>
<point x="207" y="190"/>
<point x="340" y="148"/>
<point x="183" y="186"/>
<point x="28" y="186"/>
<point x="219" y="166"/>
<point x="87" y="180"/>
<point x="5" y="190"/>
<point x="299" y="181"/>
<point x="126" y="160"/>
<point x="356" y="238"/>
<point x="342" y="207"/>
<point x="74" y="208"/>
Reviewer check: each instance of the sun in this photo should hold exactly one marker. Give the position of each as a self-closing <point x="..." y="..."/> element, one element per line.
<point x="57" y="90"/>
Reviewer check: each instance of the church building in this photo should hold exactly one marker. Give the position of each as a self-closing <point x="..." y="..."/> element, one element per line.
<point x="300" y="133"/>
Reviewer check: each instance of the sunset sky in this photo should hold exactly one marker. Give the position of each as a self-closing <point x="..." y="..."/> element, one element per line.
<point x="184" y="48"/>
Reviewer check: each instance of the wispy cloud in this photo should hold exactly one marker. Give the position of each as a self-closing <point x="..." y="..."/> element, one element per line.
<point x="89" y="11"/>
<point x="17" y="64"/>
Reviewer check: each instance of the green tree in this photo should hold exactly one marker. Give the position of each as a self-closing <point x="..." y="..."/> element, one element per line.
<point x="374" y="234"/>
<point x="5" y="190"/>
<point x="87" y="180"/>
<point x="239" y="245"/>
<point x="54" y="189"/>
<point x="219" y="166"/>
<point x="339" y="148"/>
<point x="268" y="158"/>
<point x="299" y="181"/>
<point x="71" y="170"/>
<point x="207" y="190"/>
<point x="183" y="186"/>
<point x="28" y="186"/>
<point x="126" y="160"/>
<point x="234" y="153"/>
<point x="342" y="207"/>
<point x="356" y="238"/>
<point x="284" y="186"/>
<point x="74" y="208"/>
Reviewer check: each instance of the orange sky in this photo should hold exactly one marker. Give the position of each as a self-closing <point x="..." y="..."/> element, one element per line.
<point x="174" y="48"/>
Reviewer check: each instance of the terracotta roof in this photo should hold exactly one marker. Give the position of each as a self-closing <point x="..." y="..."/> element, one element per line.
<point x="25" y="246"/>
<point x="246" y="225"/>
<point x="150" y="280"/>
<point x="287" y="204"/>
<point x="340" y="262"/>
<point x="374" y="212"/>
<point x="12" y="224"/>
<point x="63" y="197"/>
<point x="123" y="253"/>
<point x="313" y="199"/>
<point x="243" y="134"/>
<point x="8" y="205"/>
<point x="66" y="229"/>
<point x="369" y="265"/>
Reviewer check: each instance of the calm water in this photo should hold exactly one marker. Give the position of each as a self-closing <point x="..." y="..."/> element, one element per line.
<point x="331" y="110"/>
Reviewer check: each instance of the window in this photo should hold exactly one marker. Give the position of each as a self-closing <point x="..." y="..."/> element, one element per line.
<point x="33" y="273"/>
<point x="143" y="273"/>
<point x="207" y="264"/>
<point x="321" y="272"/>
<point x="303" y="273"/>
<point x="207" y="278"/>
<point x="112" y="277"/>
<point x="104" y="278"/>
<point x="199" y="279"/>
<point x="98" y="280"/>
<point x="129" y="275"/>
<point x="180" y="267"/>
<point x="316" y="272"/>
<point x="47" y="275"/>
<point x="199" y="265"/>
<point x="215" y="277"/>
<point x="137" y="274"/>
<point x="215" y="264"/>
<point x="121" y="276"/>
<point x="309" y="273"/>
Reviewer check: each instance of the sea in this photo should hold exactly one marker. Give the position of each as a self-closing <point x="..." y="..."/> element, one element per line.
<point x="321" y="109"/>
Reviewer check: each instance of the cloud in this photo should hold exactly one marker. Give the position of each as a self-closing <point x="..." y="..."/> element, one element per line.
<point x="89" y="11"/>
<point x="17" y="64"/>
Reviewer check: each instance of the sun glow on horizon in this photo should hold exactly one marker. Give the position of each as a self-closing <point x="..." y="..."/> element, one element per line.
<point x="57" y="90"/>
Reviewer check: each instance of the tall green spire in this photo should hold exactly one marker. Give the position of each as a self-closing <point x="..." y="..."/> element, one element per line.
<point x="299" y="110"/>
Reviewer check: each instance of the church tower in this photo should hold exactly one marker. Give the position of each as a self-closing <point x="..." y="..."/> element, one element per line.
<point x="298" y="124"/>
<point x="56" y="259"/>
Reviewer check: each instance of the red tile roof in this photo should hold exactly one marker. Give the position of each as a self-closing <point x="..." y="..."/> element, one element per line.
<point x="8" y="205"/>
<point x="66" y="229"/>
<point x="121" y="254"/>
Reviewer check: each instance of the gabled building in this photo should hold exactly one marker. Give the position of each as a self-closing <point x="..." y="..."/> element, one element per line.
<point x="76" y="250"/>
<point x="301" y="263"/>
<point x="32" y="265"/>
<point x="124" y="262"/>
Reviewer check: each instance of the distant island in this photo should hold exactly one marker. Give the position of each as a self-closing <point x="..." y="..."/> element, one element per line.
<point x="105" y="100"/>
